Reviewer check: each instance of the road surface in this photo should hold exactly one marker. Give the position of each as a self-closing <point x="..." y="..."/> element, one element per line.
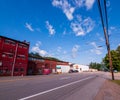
<point x="73" y="86"/>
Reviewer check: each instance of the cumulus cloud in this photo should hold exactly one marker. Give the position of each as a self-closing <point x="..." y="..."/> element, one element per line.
<point x="84" y="3"/>
<point x="89" y="4"/>
<point x="36" y="49"/>
<point x="82" y="27"/>
<point x="95" y="49"/>
<point x="66" y="7"/>
<point x="75" y="50"/>
<point x="79" y="3"/>
<point x="50" y="28"/>
<point x="69" y="7"/>
<point x="29" y="26"/>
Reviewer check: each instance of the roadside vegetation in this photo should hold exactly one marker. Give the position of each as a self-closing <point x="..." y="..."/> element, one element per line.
<point x="115" y="59"/>
<point x="116" y="81"/>
<point x="36" y="55"/>
<point x="104" y="66"/>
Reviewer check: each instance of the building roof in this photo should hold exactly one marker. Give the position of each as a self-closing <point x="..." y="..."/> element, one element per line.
<point x="23" y="42"/>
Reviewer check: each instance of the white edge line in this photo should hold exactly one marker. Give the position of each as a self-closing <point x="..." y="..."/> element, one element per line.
<point x="54" y="89"/>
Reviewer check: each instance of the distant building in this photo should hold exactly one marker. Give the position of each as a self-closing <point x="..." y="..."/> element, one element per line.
<point x="80" y="68"/>
<point x="13" y="57"/>
<point x="40" y="66"/>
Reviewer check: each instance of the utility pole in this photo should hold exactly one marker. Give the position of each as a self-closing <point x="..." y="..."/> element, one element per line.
<point x="109" y="54"/>
<point x="106" y="35"/>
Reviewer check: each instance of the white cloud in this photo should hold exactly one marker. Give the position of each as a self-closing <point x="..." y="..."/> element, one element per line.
<point x="67" y="9"/>
<point x="84" y="3"/>
<point x="64" y="32"/>
<point x="97" y="50"/>
<point x="102" y="39"/>
<point x="79" y="3"/>
<point x="75" y="50"/>
<point x="28" y="26"/>
<point x="112" y="29"/>
<point x="50" y="28"/>
<point x="36" y="49"/>
<point x="59" y="49"/>
<point x="93" y="44"/>
<point x="89" y="4"/>
<point x="64" y="52"/>
<point x="82" y="27"/>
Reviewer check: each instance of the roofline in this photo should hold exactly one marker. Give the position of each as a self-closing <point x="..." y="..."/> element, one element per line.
<point x="28" y="43"/>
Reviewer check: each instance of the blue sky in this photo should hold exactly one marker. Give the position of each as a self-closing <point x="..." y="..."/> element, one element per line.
<point x="69" y="30"/>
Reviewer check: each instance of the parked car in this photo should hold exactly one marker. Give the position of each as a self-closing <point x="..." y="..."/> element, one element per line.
<point x="73" y="71"/>
<point x="115" y="71"/>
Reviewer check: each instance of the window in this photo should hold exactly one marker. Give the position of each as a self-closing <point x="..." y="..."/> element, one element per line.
<point x="0" y="63"/>
<point x="20" y="57"/>
<point x="10" y="42"/>
<point x="10" y="55"/>
<point x="7" y="41"/>
<point x="3" y="55"/>
<point x="23" y="46"/>
<point x="21" y="69"/>
<point x="8" y="71"/>
<point x="20" y="46"/>
<point x="16" y="69"/>
<point x="1" y="71"/>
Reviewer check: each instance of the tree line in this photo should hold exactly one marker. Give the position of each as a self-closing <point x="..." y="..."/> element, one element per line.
<point x="104" y="65"/>
<point x="37" y="55"/>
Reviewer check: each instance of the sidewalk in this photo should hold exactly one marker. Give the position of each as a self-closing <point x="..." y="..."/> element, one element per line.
<point x="109" y="90"/>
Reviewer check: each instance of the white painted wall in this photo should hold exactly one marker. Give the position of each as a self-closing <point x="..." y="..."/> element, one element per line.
<point x="80" y="68"/>
<point x="64" y="68"/>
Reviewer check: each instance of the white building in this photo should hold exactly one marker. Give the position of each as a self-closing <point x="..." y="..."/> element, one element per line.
<point x="62" y="68"/>
<point x="80" y="68"/>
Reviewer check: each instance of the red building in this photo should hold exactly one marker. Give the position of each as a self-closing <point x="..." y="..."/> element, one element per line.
<point x="37" y="66"/>
<point x="13" y="57"/>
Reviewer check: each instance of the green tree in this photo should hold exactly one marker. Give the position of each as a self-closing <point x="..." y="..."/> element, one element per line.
<point x="52" y="58"/>
<point x="95" y="65"/>
<point x="118" y="51"/>
<point x="35" y="55"/>
<point x="115" y="60"/>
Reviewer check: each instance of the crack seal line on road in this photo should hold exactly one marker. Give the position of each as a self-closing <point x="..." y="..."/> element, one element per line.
<point x="34" y="95"/>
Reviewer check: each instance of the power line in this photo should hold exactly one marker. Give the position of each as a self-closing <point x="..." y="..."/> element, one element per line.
<point x="105" y="30"/>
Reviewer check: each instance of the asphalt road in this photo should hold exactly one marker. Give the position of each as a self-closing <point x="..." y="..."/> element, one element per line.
<point x="74" y="86"/>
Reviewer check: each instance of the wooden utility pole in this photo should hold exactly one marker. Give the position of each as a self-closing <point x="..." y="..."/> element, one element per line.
<point x="106" y="34"/>
<point x="109" y="54"/>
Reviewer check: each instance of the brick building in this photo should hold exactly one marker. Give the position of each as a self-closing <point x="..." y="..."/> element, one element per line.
<point x="13" y="57"/>
<point x="37" y="66"/>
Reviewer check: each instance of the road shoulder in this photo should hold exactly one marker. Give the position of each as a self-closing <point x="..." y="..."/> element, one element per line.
<point x="108" y="91"/>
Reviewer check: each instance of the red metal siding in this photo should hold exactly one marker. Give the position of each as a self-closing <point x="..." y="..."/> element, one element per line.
<point x="36" y="66"/>
<point x="14" y="58"/>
